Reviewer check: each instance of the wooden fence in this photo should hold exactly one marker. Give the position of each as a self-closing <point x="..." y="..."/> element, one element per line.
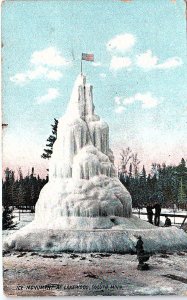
<point x="172" y="215"/>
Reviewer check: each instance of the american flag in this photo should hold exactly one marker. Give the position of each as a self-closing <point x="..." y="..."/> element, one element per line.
<point x="88" y="57"/>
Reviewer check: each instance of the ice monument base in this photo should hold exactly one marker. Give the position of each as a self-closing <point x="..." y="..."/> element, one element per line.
<point x="120" y="236"/>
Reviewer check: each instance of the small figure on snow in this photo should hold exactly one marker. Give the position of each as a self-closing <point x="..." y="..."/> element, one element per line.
<point x="139" y="245"/>
<point x="157" y="208"/>
<point x="167" y="222"/>
<point x="141" y="255"/>
<point x="150" y="213"/>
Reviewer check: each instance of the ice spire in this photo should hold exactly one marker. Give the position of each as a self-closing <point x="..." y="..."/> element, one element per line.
<point x="81" y="101"/>
<point x="79" y="127"/>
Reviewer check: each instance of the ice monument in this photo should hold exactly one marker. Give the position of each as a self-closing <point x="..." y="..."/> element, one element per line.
<point x="84" y="207"/>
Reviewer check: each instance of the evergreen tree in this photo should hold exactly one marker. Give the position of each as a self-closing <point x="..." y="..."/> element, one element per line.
<point x="183" y="163"/>
<point x="182" y="196"/>
<point x="22" y="194"/>
<point x="143" y="174"/>
<point x="130" y="170"/>
<point x="14" y="190"/>
<point x="166" y="184"/>
<point x="144" y="195"/>
<point x="149" y="191"/>
<point x="32" y="173"/>
<point x="181" y="173"/>
<point x="34" y="196"/>
<point x="20" y="174"/>
<point x="51" y="139"/>
<point x="7" y="199"/>
<point x="7" y="218"/>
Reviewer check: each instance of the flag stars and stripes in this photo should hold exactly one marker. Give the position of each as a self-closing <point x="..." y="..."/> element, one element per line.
<point x="87" y="57"/>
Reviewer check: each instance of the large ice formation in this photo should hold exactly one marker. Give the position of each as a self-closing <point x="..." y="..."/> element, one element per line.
<point x="82" y="177"/>
<point x="84" y="206"/>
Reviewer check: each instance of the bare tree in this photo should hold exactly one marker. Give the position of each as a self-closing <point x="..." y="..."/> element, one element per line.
<point x="135" y="164"/>
<point x="20" y="174"/>
<point x="155" y="168"/>
<point x="126" y="155"/>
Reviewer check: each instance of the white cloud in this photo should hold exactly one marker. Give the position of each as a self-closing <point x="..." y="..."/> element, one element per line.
<point x="19" y="78"/>
<point x="118" y="63"/>
<point x="44" y="64"/>
<point x="147" y="100"/>
<point x="54" y="75"/>
<point x="102" y="75"/>
<point x="129" y="100"/>
<point x="50" y="57"/>
<point x="52" y="94"/>
<point x="37" y="73"/>
<point x="148" y="61"/>
<point x="97" y="64"/>
<point x="172" y="62"/>
<point x="119" y="109"/>
<point x="121" y="43"/>
<point x="117" y="100"/>
<point x="22" y="78"/>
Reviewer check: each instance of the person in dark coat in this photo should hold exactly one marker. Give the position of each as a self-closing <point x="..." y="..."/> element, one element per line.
<point x="157" y="208"/>
<point x="139" y="246"/>
<point x="167" y="222"/>
<point x="141" y="255"/>
<point x="150" y="213"/>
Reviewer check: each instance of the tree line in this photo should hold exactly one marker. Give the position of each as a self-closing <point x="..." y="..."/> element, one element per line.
<point x="22" y="191"/>
<point x="165" y="184"/>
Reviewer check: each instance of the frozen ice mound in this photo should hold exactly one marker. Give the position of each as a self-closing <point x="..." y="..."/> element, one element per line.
<point x="84" y="207"/>
<point x="82" y="176"/>
<point x="97" y="197"/>
<point x="120" y="238"/>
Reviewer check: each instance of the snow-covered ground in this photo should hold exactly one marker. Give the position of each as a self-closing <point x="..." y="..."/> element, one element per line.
<point x="91" y="274"/>
<point x="26" y="218"/>
<point x="175" y="220"/>
<point x="121" y="237"/>
<point x="62" y="274"/>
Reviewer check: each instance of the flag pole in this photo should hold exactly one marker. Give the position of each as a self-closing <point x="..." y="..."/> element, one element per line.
<point x="81" y="65"/>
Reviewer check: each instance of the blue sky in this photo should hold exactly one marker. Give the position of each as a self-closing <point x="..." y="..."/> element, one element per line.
<point x="139" y="74"/>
